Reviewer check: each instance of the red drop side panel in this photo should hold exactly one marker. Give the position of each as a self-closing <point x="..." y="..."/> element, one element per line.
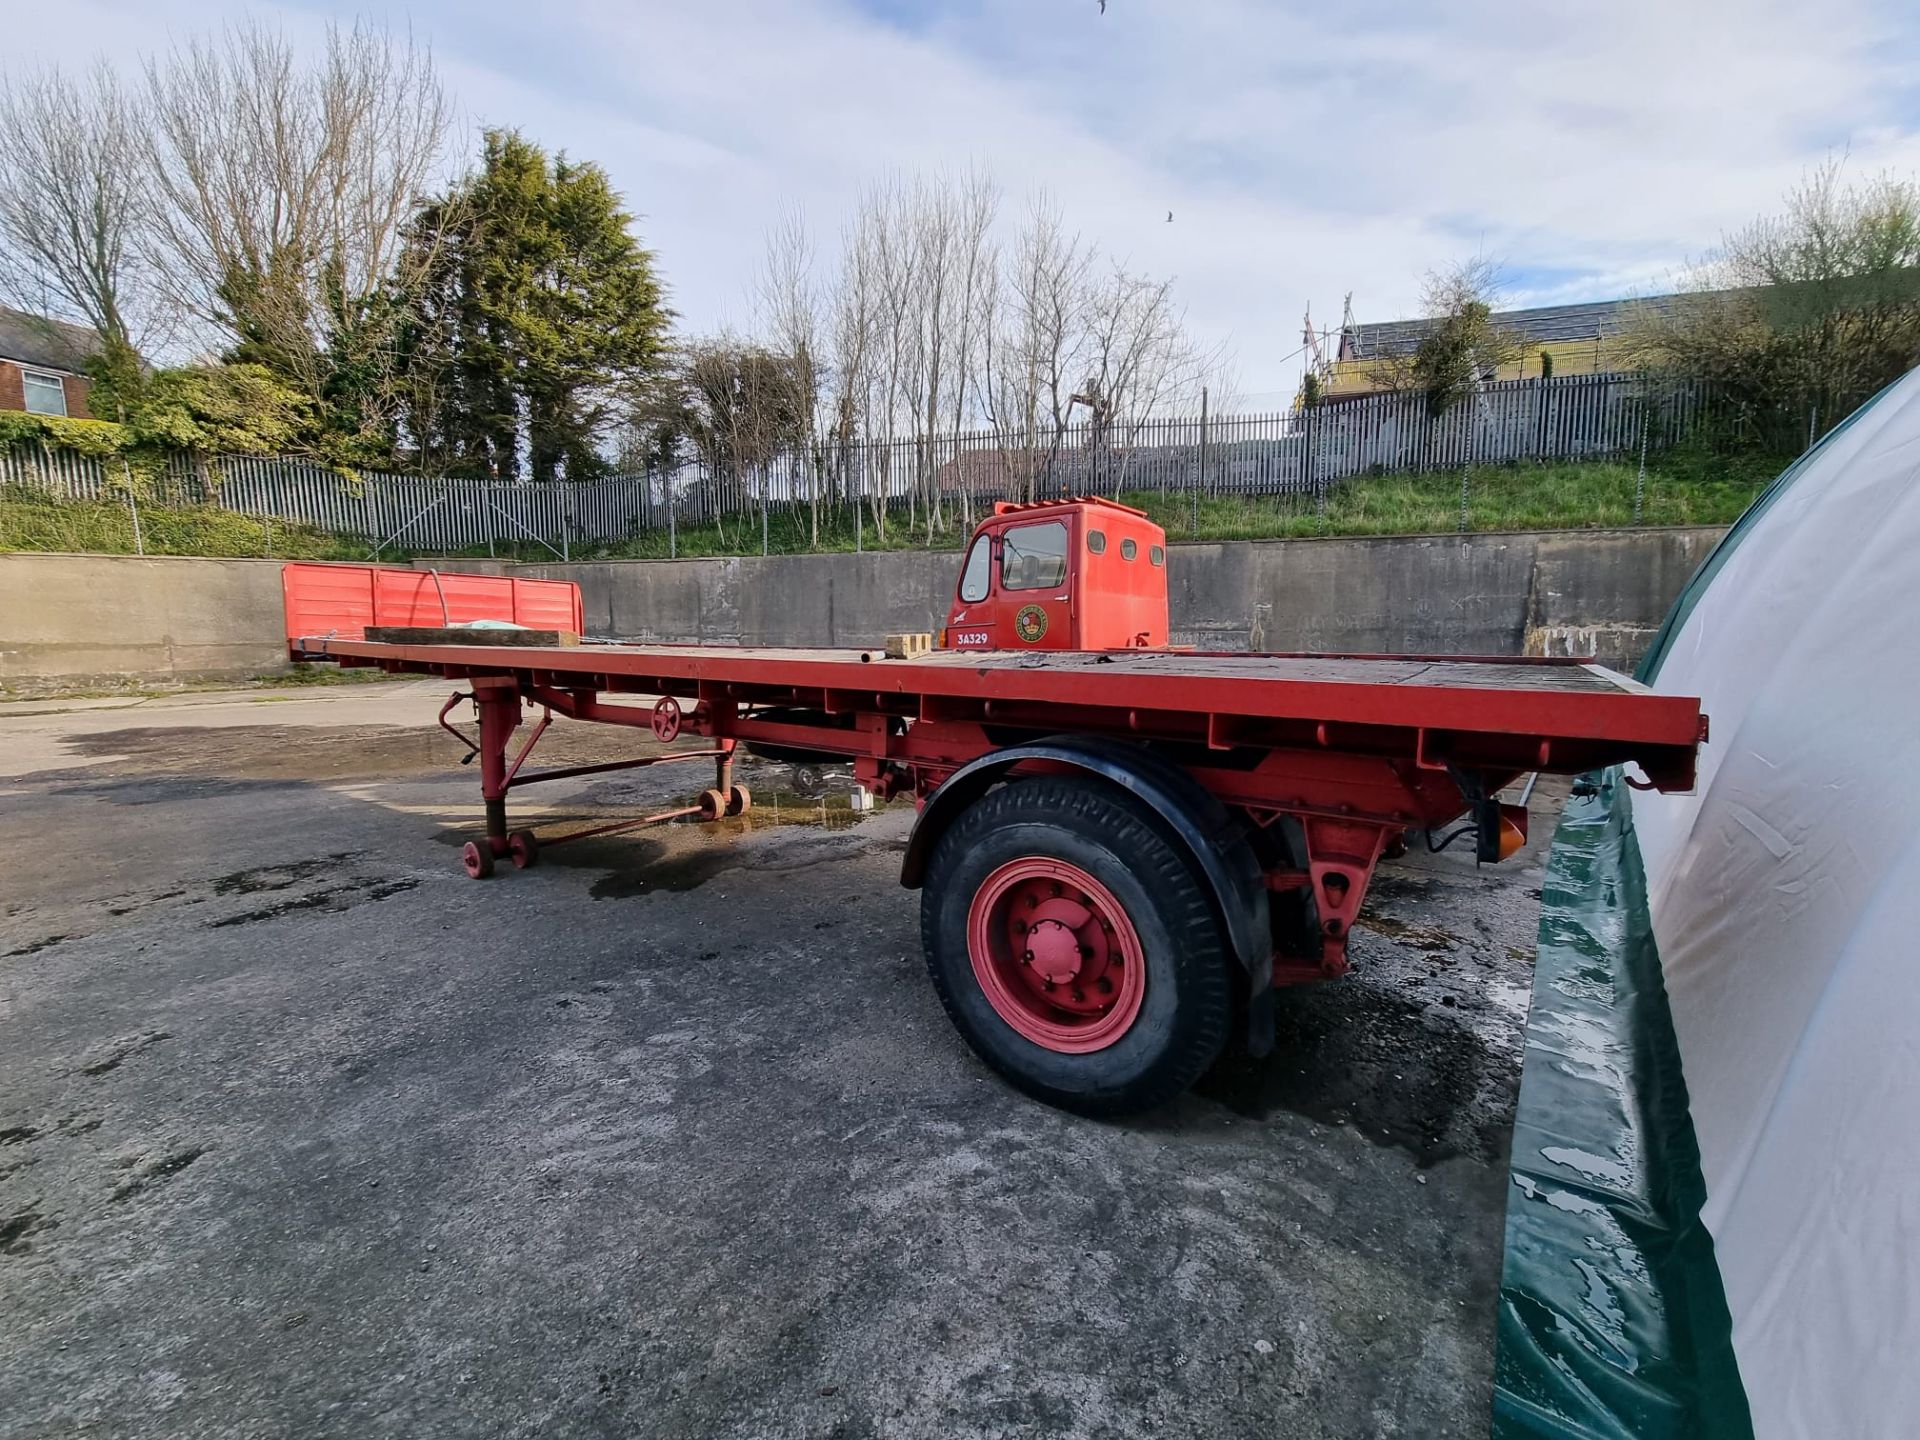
<point x="343" y="600"/>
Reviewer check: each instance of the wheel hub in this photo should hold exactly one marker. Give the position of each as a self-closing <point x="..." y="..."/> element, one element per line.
<point x="1054" y="950"/>
<point x="1056" y="955"/>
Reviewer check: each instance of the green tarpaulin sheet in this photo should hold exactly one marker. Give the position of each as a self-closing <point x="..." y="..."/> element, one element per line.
<point x="1612" y="1320"/>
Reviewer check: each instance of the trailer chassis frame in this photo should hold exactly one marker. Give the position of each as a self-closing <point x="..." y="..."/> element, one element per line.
<point x="1350" y="805"/>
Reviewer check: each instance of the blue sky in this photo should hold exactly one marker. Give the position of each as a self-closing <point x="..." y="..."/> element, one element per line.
<point x="1306" y="150"/>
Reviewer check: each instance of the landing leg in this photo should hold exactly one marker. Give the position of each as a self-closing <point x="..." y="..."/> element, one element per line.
<point x="499" y="704"/>
<point x="739" y="798"/>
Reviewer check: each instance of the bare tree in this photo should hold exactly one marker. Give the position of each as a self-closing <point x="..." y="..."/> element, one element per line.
<point x="742" y="416"/>
<point x="790" y="304"/>
<point x="1140" y="359"/>
<point x="73" y="205"/>
<point x="979" y="205"/>
<point x="931" y="324"/>
<point x="1833" y="237"/>
<point x="286" y="190"/>
<point x="897" y="261"/>
<point x="1800" y="316"/>
<point x="1039" y="333"/>
<point x="853" y="312"/>
<point x="905" y="325"/>
<point x="950" y="219"/>
<point x="1462" y="345"/>
<point x="935" y="223"/>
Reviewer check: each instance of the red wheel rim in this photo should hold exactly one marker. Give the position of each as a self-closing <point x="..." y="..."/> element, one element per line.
<point x="1056" y="955"/>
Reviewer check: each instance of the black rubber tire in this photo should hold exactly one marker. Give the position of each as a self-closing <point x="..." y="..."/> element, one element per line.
<point x="1184" y="1018"/>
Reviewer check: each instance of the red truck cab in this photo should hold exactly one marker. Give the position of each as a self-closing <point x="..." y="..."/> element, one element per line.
<point x="1078" y="574"/>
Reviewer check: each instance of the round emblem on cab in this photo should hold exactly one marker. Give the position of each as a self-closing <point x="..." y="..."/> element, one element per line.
<point x="1030" y="624"/>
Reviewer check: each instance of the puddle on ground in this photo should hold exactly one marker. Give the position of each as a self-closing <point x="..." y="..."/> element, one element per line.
<point x="829" y="811"/>
<point x="641" y="862"/>
<point x="1396" y="884"/>
<point x="645" y="868"/>
<point x="1405" y="932"/>
<point x="1376" y="1061"/>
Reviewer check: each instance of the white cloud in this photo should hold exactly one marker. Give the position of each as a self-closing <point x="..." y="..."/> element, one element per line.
<point x="1305" y="150"/>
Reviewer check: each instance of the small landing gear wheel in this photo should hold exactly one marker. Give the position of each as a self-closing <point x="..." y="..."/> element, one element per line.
<point x="477" y="859"/>
<point x="666" y="720"/>
<point x="1074" y="947"/>
<point x="713" y="804"/>
<point x="523" y="849"/>
<point x="739" y="800"/>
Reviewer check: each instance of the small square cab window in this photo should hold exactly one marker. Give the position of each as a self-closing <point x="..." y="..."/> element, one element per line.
<point x="1156" y="555"/>
<point x="1096" y="542"/>
<point x="1128" y="549"/>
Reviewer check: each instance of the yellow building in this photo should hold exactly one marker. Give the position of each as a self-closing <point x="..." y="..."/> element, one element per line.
<point x="1577" y="339"/>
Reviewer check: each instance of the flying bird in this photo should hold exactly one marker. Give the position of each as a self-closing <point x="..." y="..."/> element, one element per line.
<point x="1169" y="217"/>
<point x="1103" y="7"/>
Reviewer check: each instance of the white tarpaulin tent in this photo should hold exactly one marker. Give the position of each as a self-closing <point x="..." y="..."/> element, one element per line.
<point x="1785" y="901"/>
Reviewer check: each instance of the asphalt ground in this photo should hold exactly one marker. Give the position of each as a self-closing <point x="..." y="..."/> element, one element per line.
<point x="304" y="1133"/>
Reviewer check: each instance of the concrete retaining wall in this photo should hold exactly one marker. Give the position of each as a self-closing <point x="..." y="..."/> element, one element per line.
<point x="70" y="621"/>
<point x="1598" y="594"/>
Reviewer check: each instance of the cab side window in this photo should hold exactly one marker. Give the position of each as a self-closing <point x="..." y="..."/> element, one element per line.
<point x="1034" y="557"/>
<point x="978" y="575"/>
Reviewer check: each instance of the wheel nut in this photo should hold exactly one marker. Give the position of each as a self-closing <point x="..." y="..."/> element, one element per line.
<point x="1079" y="994"/>
<point x="1028" y="957"/>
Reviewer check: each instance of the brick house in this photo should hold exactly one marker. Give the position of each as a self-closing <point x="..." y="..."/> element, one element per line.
<point x="41" y="364"/>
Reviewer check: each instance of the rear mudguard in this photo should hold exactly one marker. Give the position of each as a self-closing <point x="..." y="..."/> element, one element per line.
<point x="1197" y="819"/>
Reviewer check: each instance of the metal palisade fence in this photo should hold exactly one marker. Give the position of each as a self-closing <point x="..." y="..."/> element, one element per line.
<point x="1303" y="451"/>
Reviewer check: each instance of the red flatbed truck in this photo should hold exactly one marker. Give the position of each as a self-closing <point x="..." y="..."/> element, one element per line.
<point x="1121" y="850"/>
